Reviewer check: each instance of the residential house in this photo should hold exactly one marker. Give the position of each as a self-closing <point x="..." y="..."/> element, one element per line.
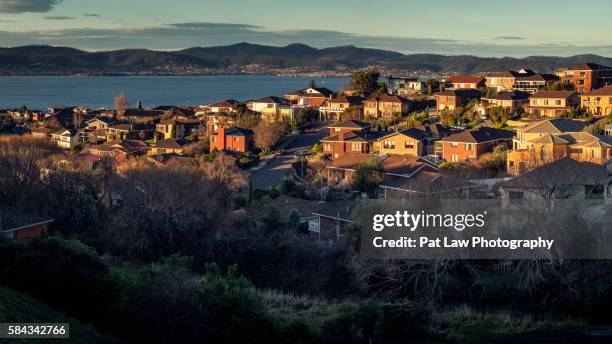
<point x="272" y="109"/>
<point x="552" y="103"/>
<point x="310" y="97"/>
<point x="386" y="106"/>
<point x="533" y="83"/>
<point x="405" y="86"/>
<point x="215" y="121"/>
<point x="129" y="131"/>
<point x="510" y="101"/>
<point x="66" y="138"/>
<point x="584" y="184"/>
<point x="334" y="108"/>
<point x="586" y="77"/>
<point x="119" y="150"/>
<point x="428" y="183"/>
<point x="473" y="143"/>
<point x="177" y="128"/>
<point x="435" y="132"/>
<point x="360" y="142"/>
<point x="524" y="80"/>
<point x="42" y="132"/>
<point x="232" y="139"/>
<point x="551" y="140"/>
<point x="405" y="142"/>
<point x="166" y="146"/>
<point x="457" y="82"/>
<point x="394" y="165"/>
<point x="452" y="99"/>
<point x="223" y="106"/>
<point x="348" y="126"/>
<point x="139" y="115"/>
<point x="98" y="128"/>
<point x="325" y="221"/>
<point x="597" y="102"/>
<point x="22" y="226"/>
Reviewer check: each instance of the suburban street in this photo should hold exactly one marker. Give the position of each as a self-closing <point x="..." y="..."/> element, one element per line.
<point x="280" y="166"/>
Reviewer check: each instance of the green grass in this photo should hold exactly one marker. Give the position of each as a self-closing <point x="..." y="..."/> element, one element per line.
<point x="19" y="307"/>
<point x="465" y="324"/>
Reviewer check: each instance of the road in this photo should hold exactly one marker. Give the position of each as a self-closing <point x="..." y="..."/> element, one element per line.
<point x="280" y="166"/>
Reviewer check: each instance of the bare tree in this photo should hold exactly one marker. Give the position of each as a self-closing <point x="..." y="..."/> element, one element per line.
<point x="121" y="102"/>
<point x="267" y="134"/>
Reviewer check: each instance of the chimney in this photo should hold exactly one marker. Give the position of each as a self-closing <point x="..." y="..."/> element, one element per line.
<point x="221" y="138"/>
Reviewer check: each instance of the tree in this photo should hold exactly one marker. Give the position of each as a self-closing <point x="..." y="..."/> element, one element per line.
<point x="247" y="121"/>
<point x="267" y="135"/>
<point x="317" y="148"/>
<point x="561" y="86"/>
<point x="368" y="176"/>
<point x="312" y="84"/>
<point x="432" y="86"/>
<point x="365" y="82"/>
<point x="121" y="102"/>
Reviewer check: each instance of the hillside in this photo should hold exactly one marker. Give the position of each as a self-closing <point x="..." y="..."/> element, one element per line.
<point x="18" y="307"/>
<point x="240" y="58"/>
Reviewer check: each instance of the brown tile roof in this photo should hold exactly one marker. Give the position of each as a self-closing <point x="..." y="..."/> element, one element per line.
<point x="565" y="171"/>
<point x="552" y="94"/>
<point x="223" y="103"/>
<point x="385" y="98"/>
<point x="603" y="91"/>
<point x="352" y="124"/>
<point x="511" y="95"/>
<point x="479" y="135"/>
<point x="426" y="182"/>
<point x="589" y="66"/>
<point x="171" y="143"/>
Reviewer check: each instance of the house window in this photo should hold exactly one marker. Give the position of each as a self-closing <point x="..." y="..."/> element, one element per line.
<point x="235" y="139"/>
<point x="409" y="144"/>
<point x="356" y="146"/>
<point x="389" y="144"/>
<point x="545" y="101"/>
<point x="558" y="102"/>
<point x="327" y="147"/>
<point x="454" y="144"/>
<point x="468" y="146"/>
<point x="336" y="129"/>
<point x="454" y="157"/>
<point x="515" y="197"/>
<point x="593" y="191"/>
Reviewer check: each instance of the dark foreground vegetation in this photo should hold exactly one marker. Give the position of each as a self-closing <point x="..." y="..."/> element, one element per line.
<point x="157" y="254"/>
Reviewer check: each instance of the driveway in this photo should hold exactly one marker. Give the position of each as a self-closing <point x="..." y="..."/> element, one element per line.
<point x="279" y="167"/>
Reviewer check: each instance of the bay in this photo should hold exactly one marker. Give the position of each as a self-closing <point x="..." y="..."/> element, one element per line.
<point x="41" y="92"/>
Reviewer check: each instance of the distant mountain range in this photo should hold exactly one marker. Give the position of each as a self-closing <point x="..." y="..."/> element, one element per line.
<point x="260" y="59"/>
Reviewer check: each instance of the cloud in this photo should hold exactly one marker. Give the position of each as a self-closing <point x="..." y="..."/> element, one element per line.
<point x="176" y="36"/>
<point x="204" y="25"/>
<point x="512" y="38"/>
<point x="91" y="15"/>
<point x="59" y="18"/>
<point x="20" y="6"/>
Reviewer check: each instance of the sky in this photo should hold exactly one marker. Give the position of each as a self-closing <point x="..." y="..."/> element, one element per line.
<point x="452" y="27"/>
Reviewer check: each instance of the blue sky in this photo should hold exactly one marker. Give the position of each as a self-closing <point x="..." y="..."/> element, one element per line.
<point x="475" y="27"/>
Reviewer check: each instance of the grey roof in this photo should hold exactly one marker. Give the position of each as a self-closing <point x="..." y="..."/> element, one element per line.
<point x="13" y="219"/>
<point x="479" y="135"/>
<point x="565" y="171"/>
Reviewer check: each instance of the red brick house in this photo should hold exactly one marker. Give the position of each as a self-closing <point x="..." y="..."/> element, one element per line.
<point x="349" y="136"/>
<point x="21" y="226"/>
<point x="452" y="99"/>
<point x="471" y="144"/>
<point x="457" y="82"/>
<point x="232" y="139"/>
<point x="586" y="77"/>
<point x="310" y="97"/>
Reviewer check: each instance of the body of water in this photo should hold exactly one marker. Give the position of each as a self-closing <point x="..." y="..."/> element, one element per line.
<point x="41" y="92"/>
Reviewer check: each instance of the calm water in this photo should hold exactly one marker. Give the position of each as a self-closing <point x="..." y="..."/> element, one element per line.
<point x="41" y="92"/>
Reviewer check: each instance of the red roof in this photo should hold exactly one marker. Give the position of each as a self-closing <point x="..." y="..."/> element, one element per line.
<point x="465" y="79"/>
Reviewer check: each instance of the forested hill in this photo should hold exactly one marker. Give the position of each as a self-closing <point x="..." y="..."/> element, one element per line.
<point x="35" y="60"/>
